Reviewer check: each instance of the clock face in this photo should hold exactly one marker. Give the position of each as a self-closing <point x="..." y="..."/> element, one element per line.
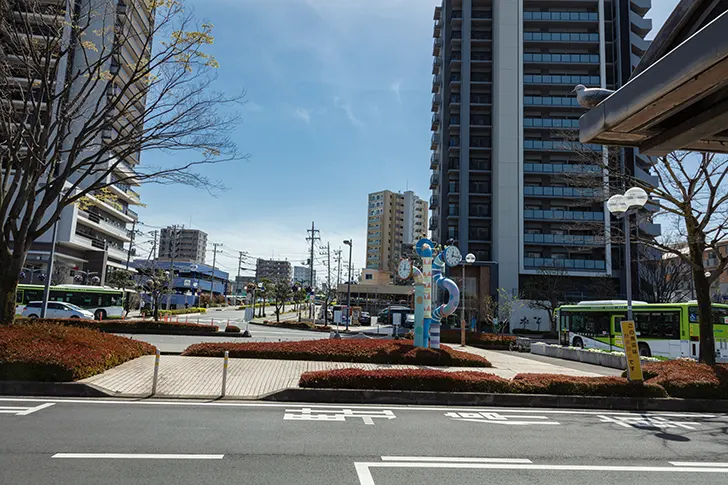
<point x="404" y="270"/>
<point x="453" y="257"/>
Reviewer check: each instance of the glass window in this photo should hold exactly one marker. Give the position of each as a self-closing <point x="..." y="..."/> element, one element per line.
<point x="663" y="325"/>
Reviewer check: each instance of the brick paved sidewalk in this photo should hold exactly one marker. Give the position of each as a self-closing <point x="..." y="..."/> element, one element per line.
<point x="201" y="377"/>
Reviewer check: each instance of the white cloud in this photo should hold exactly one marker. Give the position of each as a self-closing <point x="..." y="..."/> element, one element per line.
<point x="395" y="88"/>
<point x="346" y="107"/>
<point x="303" y="114"/>
<point x="253" y="106"/>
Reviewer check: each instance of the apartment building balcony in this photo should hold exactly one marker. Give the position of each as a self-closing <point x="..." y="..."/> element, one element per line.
<point x="434" y="180"/>
<point x="479" y="235"/>
<point x="552" y="101"/>
<point x="434" y="161"/>
<point x="547" y="168"/>
<point x="434" y="201"/>
<point x="559" y="59"/>
<point x="650" y="229"/>
<point x="434" y="141"/>
<point x="559" y="146"/>
<point x="435" y="121"/>
<point x="436" y="46"/>
<point x="89" y="241"/>
<point x="561" y="37"/>
<point x="567" y="264"/>
<point x="433" y="223"/>
<point x="562" y="215"/>
<point x="481" y="99"/>
<point x="105" y="225"/>
<point x="569" y="18"/>
<point x="436" y="64"/>
<point x="551" y="123"/>
<point x="481" y="57"/>
<point x="125" y="193"/>
<point x="437" y="28"/>
<point x="561" y="80"/>
<point x="114" y="208"/>
<point x="562" y="240"/>
<point x="436" y="101"/>
<point x="559" y="192"/>
<point x="436" y="83"/>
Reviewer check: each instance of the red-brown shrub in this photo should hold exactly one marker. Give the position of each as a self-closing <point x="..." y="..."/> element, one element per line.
<point x="374" y="351"/>
<point x="583" y="386"/>
<point x="43" y="352"/>
<point x="296" y="325"/>
<point x="122" y="325"/>
<point x="689" y="379"/>
<point x="232" y="329"/>
<point x="406" y="380"/>
<point x="477" y="339"/>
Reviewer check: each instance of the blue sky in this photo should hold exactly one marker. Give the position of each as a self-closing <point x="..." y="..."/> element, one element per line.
<point x="338" y="105"/>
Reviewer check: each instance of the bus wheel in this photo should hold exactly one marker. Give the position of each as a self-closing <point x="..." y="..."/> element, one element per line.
<point x="32" y="316"/>
<point x="578" y="343"/>
<point x="100" y="315"/>
<point x="645" y="350"/>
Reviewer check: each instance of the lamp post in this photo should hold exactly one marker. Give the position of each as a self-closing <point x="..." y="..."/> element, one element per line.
<point x="350" y="243"/>
<point x="469" y="259"/>
<point x="620" y="205"/>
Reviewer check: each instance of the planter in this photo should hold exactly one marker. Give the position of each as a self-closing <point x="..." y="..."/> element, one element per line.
<point x="595" y="358"/>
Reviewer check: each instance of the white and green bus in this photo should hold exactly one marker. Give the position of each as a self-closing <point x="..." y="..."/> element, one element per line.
<point x="669" y="330"/>
<point x="101" y="300"/>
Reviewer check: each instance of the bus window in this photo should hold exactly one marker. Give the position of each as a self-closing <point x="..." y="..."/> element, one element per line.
<point x="590" y="323"/>
<point x="19" y="297"/>
<point x="720" y="315"/>
<point x="662" y="325"/>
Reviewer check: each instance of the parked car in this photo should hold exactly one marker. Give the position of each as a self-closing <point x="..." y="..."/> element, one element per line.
<point x="385" y="316"/>
<point x="409" y="321"/>
<point x="365" y="318"/>
<point x="56" y="309"/>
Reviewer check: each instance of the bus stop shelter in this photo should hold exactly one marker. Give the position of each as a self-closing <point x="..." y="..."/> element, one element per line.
<point x="677" y="98"/>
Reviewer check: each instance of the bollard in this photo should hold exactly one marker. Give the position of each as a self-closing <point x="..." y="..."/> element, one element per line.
<point x="186" y="316"/>
<point x="224" y="372"/>
<point x="156" y="374"/>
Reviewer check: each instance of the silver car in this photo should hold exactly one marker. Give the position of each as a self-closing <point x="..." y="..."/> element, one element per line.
<point x="56" y="309"/>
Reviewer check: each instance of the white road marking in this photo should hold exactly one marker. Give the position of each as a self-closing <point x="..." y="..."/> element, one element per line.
<point x="510" y="423"/>
<point x="24" y="411"/>
<point x="451" y="459"/>
<point x="498" y="418"/>
<point x="640" y="422"/>
<point x="325" y="406"/>
<point x="339" y="415"/>
<point x="137" y="456"/>
<point x="699" y="464"/>
<point x="363" y="469"/>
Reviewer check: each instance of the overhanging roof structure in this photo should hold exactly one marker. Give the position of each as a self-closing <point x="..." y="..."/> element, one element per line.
<point x="677" y="97"/>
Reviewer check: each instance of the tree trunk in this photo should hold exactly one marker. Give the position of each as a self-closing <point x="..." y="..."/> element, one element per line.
<point x="707" y="337"/>
<point x="9" y="276"/>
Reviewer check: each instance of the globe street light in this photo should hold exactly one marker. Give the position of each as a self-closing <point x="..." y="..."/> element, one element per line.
<point x="469" y="259"/>
<point x="625" y="205"/>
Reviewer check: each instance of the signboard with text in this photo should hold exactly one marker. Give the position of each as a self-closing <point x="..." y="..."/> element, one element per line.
<point x="631" y="351"/>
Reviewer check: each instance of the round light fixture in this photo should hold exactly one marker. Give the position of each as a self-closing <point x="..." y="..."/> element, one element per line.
<point x="617" y="204"/>
<point x="636" y="197"/>
<point x="470" y="258"/>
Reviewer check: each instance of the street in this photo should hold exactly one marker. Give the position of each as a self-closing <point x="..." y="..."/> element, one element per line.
<point x="49" y="441"/>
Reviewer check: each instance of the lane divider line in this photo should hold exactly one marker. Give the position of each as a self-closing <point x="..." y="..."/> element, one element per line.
<point x="137" y="456"/>
<point x="451" y="459"/>
<point x="699" y="464"/>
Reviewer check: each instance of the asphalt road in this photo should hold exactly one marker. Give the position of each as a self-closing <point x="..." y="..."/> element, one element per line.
<point x="84" y="442"/>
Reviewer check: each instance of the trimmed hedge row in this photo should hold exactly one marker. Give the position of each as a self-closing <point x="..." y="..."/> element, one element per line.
<point x="182" y="311"/>
<point x="304" y="325"/>
<point x="121" y="325"/>
<point x="470" y="381"/>
<point x="368" y="351"/>
<point x="60" y="353"/>
<point x="687" y="378"/>
<point x="476" y="339"/>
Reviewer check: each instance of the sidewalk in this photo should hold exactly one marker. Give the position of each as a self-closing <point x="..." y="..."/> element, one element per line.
<point x="201" y="377"/>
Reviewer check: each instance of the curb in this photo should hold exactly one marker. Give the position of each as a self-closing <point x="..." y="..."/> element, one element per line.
<point x="56" y="389"/>
<point x="360" y="396"/>
<point x="189" y="334"/>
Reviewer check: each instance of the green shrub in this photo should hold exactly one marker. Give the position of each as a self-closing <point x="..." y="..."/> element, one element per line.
<point x="60" y="353"/>
<point x="374" y="351"/>
<point x="182" y="311"/>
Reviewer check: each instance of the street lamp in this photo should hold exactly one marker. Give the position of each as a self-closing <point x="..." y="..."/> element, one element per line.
<point x="469" y="259"/>
<point x="621" y="205"/>
<point x="350" y="243"/>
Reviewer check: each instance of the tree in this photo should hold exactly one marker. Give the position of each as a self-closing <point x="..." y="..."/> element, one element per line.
<point x="663" y="278"/>
<point x="281" y="292"/>
<point x="265" y="286"/>
<point x="156" y="282"/>
<point x="76" y="109"/>
<point x="60" y="274"/>
<point x="122" y="279"/>
<point x="548" y="291"/>
<point x="500" y="311"/>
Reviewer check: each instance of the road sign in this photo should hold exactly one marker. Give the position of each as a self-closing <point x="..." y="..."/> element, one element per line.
<point x="632" y="351"/>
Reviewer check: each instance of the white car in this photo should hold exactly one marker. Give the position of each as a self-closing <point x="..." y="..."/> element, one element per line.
<point x="56" y="309"/>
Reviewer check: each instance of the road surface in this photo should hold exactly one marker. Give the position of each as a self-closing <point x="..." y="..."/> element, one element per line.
<point x="86" y="442"/>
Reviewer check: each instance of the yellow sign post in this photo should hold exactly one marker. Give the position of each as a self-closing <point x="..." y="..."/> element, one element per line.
<point x="631" y="351"/>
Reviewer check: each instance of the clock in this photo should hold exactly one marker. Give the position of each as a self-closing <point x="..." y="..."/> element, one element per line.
<point x="404" y="270"/>
<point x="452" y="256"/>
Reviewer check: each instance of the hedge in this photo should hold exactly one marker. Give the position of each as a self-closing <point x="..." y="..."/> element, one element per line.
<point x="406" y="380"/>
<point x="687" y="378"/>
<point x="122" y="325"/>
<point x="182" y="311"/>
<point x="470" y="381"/>
<point x="304" y="325"/>
<point x="476" y="339"/>
<point x="232" y="329"/>
<point x="333" y="350"/>
<point x="59" y="353"/>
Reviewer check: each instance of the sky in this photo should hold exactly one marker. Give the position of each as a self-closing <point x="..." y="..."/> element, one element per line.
<point x="338" y="98"/>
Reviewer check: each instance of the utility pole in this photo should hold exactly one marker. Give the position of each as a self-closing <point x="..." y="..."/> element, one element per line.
<point x="212" y="273"/>
<point x="312" y="239"/>
<point x="131" y="244"/>
<point x="241" y="256"/>
<point x="337" y="259"/>
<point x="328" y="283"/>
<point x="172" y="254"/>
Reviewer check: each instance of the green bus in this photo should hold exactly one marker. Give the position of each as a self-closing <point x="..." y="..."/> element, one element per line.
<point x="669" y="330"/>
<point x="101" y="300"/>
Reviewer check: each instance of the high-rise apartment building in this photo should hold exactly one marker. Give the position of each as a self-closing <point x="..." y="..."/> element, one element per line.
<point x="302" y="275"/>
<point x="504" y="71"/>
<point x="273" y="270"/>
<point x="394" y="219"/>
<point x="92" y="236"/>
<point x="183" y="245"/>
